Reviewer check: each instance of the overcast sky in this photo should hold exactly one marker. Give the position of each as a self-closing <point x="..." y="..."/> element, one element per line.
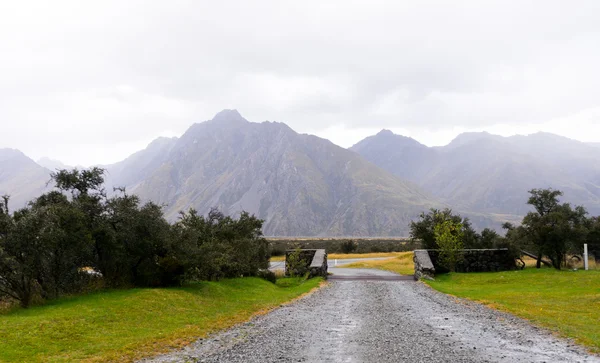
<point x="91" y="82"/>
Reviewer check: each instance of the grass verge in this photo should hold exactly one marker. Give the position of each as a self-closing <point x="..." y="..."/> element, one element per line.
<point x="124" y="325"/>
<point x="566" y="302"/>
<point x="401" y="264"/>
<point x="347" y="256"/>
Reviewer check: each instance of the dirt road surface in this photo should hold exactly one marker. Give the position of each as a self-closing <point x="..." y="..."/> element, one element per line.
<point x="382" y="321"/>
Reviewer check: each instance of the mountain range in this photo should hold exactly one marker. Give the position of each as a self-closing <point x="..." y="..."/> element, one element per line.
<point x="487" y="173"/>
<point x="303" y="185"/>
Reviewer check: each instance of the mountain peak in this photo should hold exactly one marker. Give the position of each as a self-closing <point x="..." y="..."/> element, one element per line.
<point x="8" y="153"/>
<point x="385" y="132"/>
<point x="469" y="137"/>
<point x="229" y="116"/>
<point x="52" y="164"/>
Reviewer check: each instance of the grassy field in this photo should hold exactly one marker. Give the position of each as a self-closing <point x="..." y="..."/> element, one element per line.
<point x="347" y="256"/>
<point x="124" y="325"/>
<point x="567" y="302"/>
<point x="402" y="263"/>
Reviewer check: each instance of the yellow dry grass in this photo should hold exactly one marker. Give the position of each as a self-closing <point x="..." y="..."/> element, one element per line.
<point x="402" y="264"/>
<point x="348" y="256"/>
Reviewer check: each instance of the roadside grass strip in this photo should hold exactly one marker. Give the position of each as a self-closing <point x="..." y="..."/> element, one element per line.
<point x="125" y="325"/>
<point x="566" y="302"/>
<point x="402" y="264"/>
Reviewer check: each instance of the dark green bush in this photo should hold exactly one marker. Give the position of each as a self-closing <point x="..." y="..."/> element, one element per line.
<point x="267" y="275"/>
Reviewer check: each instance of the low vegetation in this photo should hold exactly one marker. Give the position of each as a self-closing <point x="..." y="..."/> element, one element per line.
<point x="552" y="230"/>
<point x="77" y="238"/>
<point x="349" y="256"/>
<point x="567" y="302"/>
<point x="341" y="245"/>
<point x="401" y="264"/>
<point x="123" y="325"/>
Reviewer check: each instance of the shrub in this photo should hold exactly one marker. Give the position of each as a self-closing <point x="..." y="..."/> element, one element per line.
<point x="348" y="246"/>
<point x="267" y="275"/>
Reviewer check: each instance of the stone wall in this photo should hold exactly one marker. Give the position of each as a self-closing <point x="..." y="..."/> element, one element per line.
<point x="484" y="260"/>
<point x="423" y="266"/>
<point x="313" y="261"/>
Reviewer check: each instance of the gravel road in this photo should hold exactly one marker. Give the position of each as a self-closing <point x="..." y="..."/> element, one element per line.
<point x="382" y="321"/>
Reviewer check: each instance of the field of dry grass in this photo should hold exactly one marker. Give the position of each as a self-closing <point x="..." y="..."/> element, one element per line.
<point x="401" y="263"/>
<point x="349" y="256"/>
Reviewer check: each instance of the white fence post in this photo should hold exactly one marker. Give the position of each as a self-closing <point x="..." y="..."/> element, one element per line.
<point x="585" y="256"/>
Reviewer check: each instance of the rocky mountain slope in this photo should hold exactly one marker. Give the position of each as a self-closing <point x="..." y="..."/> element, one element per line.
<point x="21" y="178"/>
<point x="486" y="173"/>
<point x="303" y="185"/>
<point x="300" y="184"/>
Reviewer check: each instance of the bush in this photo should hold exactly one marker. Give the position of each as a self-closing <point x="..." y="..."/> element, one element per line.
<point x="348" y="246"/>
<point x="267" y="275"/>
<point x="47" y="247"/>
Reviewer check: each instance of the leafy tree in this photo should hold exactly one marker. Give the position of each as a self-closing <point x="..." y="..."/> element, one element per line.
<point x="45" y="247"/>
<point x="219" y="246"/>
<point x="593" y="236"/>
<point x="449" y="239"/>
<point x="21" y="253"/>
<point x="554" y="228"/>
<point x="140" y="244"/>
<point x="424" y="229"/>
<point x="67" y="245"/>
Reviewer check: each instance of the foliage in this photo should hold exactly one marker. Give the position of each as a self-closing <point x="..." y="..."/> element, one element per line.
<point x="423" y="230"/>
<point x="564" y="301"/>
<point x="295" y="265"/>
<point x="449" y="238"/>
<point x="70" y="236"/>
<point x="267" y="275"/>
<point x="593" y="236"/>
<point x="128" y="324"/>
<point x="554" y="229"/>
<point x="334" y="245"/>
<point x="219" y="246"/>
<point x="348" y="246"/>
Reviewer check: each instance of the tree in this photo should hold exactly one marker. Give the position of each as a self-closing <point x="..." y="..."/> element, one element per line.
<point x="553" y="228"/>
<point x="424" y="229"/>
<point x="489" y="238"/>
<point x="67" y="245"/>
<point x="139" y="252"/>
<point x="593" y="236"/>
<point x="449" y="238"/>
<point x="219" y="246"/>
<point x="21" y="253"/>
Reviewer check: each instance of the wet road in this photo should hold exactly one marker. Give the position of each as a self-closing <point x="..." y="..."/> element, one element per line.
<point x="382" y="321"/>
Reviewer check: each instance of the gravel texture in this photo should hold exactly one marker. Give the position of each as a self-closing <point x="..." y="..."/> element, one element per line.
<point x="382" y="321"/>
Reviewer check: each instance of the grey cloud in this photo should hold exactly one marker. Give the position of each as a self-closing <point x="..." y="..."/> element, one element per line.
<point x="429" y="64"/>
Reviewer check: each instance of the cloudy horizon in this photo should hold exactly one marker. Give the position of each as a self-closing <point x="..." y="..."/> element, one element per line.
<point x="91" y="83"/>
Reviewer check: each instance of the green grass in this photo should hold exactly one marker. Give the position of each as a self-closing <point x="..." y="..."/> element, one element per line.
<point x="566" y="302"/>
<point x="402" y="264"/>
<point x="123" y="325"/>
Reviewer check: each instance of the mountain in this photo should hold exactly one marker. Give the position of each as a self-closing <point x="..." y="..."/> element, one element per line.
<point x="301" y="185"/>
<point x="400" y="155"/>
<point x="137" y="167"/>
<point x="487" y="173"/>
<point x="52" y="164"/>
<point x="21" y="178"/>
